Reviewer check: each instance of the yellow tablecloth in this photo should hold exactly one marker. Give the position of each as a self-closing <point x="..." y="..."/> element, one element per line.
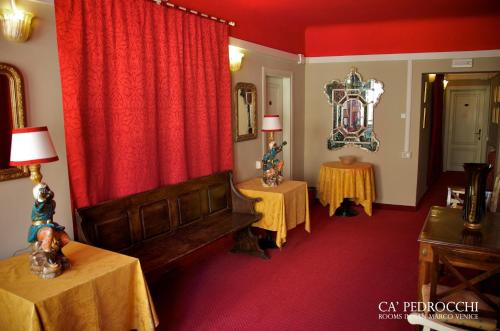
<point x="102" y="291"/>
<point x="338" y="181"/>
<point x="283" y="207"/>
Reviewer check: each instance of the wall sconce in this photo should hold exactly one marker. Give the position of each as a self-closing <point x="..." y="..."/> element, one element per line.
<point x="432" y="78"/>
<point x="235" y="57"/>
<point x="16" y="23"/>
<point x="445" y="83"/>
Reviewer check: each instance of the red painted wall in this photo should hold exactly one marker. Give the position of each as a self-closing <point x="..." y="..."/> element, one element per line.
<point x="286" y="38"/>
<point x="404" y="36"/>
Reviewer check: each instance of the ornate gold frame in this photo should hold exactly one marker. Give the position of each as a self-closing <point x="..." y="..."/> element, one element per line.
<point x="250" y="87"/>
<point x="18" y="114"/>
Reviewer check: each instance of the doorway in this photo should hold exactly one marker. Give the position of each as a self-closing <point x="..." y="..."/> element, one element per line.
<point x="277" y="100"/>
<point x="457" y="123"/>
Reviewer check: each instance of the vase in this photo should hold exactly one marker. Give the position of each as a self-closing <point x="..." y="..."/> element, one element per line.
<point x="475" y="194"/>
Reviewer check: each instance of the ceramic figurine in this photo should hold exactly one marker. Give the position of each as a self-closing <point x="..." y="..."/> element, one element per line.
<point x="272" y="167"/>
<point x="46" y="236"/>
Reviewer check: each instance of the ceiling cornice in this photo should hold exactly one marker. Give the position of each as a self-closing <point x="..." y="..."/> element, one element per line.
<point x="404" y="56"/>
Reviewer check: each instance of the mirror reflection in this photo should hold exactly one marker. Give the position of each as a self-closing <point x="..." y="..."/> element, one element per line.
<point x="353" y="115"/>
<point x="11" y="116"/>
<point x="352" y="103"/>
<point x="245" y="121"/>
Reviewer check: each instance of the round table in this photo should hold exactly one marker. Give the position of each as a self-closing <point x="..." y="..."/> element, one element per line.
<point x="338" y="181"/>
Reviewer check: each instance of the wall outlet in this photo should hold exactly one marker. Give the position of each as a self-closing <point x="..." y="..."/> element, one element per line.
<point x="406" y="155"/>
<point x="258" y="165"/>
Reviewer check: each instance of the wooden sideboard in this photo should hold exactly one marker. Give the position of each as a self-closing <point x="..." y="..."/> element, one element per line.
<point x="444" y="241"/>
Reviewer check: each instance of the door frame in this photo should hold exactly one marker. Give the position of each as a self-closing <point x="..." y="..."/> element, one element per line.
<point x="447" y="122"/>
<point x="287" y="109"/>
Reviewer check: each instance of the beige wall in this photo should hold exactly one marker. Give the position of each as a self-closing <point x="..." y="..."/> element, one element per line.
<point x="395" y="177"/>
<point x="37" y="60"/>
<point x="399" y="181"/>
<point x="436" y="66"/>
<point x="246" y="153"/>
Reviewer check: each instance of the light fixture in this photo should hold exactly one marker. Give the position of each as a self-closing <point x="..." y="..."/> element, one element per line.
<point x="235" y="57"/>
<point x="432" y="78"/>
<point x="272" y="168"/>
<point x="31" y="147"/>
<point x="16" y="23"/>
<point x="445" y="83"/>
<point x="271" y="124"/>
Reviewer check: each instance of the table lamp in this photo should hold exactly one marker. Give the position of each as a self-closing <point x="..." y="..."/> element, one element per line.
<point x="271" y="124"/>
<point x="272" y="167"/>
<point x="31" y="147"/>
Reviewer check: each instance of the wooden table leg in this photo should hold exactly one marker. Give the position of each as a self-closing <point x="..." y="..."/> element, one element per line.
<point x="344" y="209"/>
<point x="246" y="242"/>
<point x="424" y="266"/>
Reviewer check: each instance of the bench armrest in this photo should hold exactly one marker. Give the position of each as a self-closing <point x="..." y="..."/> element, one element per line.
<point x="80" y="234"/>
<point x="242" y="204"/>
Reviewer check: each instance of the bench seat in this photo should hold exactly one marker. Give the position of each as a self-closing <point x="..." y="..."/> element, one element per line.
<point x="163" y="225"/>
<point x="161" y="251"/>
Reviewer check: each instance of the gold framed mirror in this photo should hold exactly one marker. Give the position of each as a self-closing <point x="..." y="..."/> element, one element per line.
<point x="245" y="112"/>
<point x="12" y="115"/>
<point x="353" y="102"/>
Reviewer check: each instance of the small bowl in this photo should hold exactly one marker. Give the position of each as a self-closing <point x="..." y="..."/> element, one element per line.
<point x="347" y="159"/>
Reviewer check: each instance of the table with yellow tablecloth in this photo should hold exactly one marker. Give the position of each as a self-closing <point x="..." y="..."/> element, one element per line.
<point x="338" y="181"/>
<point x="282" y="207"/>
<point x="101" y="291"/>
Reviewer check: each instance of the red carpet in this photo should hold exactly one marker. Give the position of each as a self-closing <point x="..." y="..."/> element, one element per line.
<point x="332" y="279"/>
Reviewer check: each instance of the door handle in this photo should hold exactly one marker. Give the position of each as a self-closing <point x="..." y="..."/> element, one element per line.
<point x="478" y="134"/>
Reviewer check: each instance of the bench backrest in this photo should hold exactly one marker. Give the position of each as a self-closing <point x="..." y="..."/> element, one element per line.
<point x="120" y="224"/>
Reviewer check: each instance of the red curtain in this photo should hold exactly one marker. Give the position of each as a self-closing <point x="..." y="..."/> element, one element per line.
<point x="146" y="96"/>
<point x="435" y="165"/>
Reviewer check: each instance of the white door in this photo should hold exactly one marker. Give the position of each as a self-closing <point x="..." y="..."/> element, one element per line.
<point x="275" y="106"/>
<point x="274" y="102"/>
<point x="466" y="127"/>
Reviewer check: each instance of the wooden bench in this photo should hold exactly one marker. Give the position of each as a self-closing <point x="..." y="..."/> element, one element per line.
<point x="162" y="225"/>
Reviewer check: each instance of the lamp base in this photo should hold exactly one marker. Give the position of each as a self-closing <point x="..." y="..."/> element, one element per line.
<point x="36" y="175"/>
<point x="45" y="266"/>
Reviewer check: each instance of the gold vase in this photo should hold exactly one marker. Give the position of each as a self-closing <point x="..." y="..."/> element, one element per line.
<point x="475" y="194"/>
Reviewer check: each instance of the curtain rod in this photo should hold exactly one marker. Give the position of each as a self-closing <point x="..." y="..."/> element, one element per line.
<point x="192" y="11"/>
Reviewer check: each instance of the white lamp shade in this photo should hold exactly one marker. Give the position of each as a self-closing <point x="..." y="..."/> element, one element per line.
<point x="271" y="123"/>
<point x="32" y="146"/>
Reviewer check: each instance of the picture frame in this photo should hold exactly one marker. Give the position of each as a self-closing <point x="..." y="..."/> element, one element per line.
<point x="456" y="197"/>
<point x="245" y="126"/>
